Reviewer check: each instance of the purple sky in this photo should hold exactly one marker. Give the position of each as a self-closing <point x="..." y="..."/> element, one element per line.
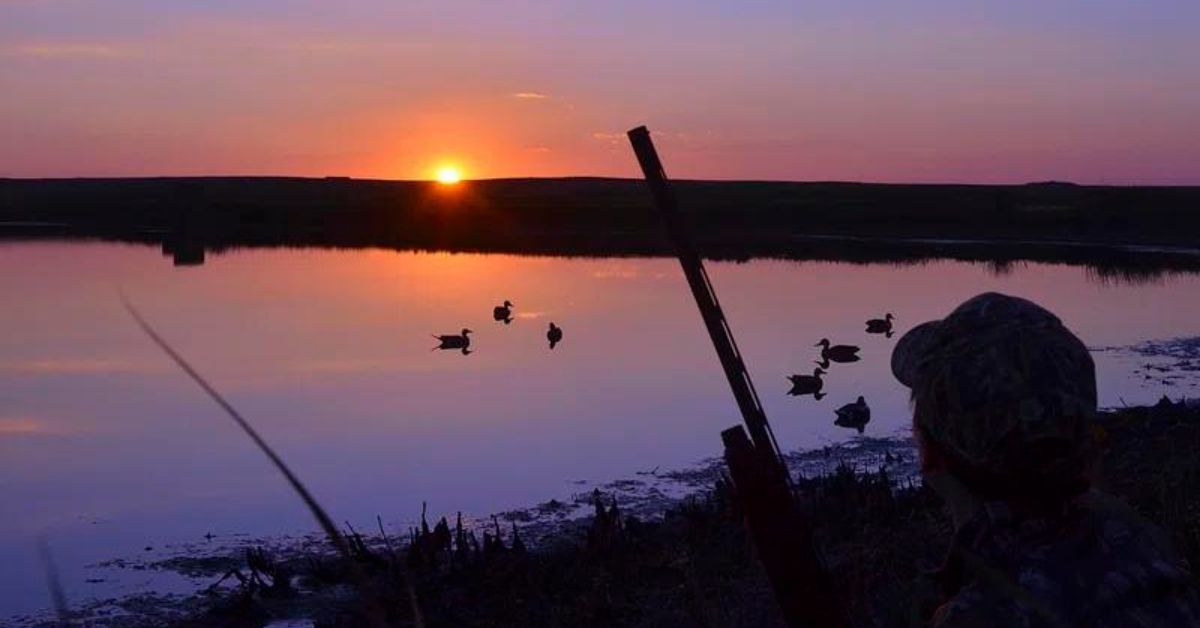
<point x="1096" y="91"/>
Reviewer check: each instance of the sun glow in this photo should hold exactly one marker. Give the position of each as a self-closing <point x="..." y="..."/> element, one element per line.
<point x="448" y="175"/>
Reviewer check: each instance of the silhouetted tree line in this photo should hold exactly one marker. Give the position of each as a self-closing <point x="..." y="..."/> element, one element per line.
<point x="588" y="216"/>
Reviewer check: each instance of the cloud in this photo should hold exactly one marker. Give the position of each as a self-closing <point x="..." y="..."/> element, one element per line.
<point x="338" y="47"/>
<point x="531" y="315"/>
<point x="68" y="51"/>
<point x="342" y="366"/>
<point x="357" y="366"/>
<point x="25" y="426"/>
<point x="530" y="96"/>
<point x="612" y="139"/>
<point x="538" y="149"/>
<point x="615" y="138"/>
<point x="72" y="366"/>
<point x="617" y="272"/>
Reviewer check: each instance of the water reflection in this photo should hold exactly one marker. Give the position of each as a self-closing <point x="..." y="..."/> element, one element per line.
<point x="327" y="352"/>
<point x="183" y="252"/>
<point x="185" y="243"/>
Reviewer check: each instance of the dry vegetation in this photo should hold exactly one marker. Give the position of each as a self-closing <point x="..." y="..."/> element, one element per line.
<point x="695" y="566"/>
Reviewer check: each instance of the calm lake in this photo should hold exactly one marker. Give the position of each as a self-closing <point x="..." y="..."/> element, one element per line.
<point x="107" y="449"/>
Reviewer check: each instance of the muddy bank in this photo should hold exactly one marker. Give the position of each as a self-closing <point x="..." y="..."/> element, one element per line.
<point x="647" y="495"/>
<point x="649" y="561"/>
<point x="1165" y="363"/>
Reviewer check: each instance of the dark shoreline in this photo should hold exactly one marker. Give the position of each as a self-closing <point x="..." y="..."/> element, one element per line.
<point x="694" y="566"/>
<point x="1146" y="230"/>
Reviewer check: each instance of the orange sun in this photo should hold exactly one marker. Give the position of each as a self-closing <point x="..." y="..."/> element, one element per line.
<point x="448" y="175"/>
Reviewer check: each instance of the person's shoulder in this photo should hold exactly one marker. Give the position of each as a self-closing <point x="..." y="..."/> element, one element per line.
<point x="1139" y="575"/>
<point x="1103" y="565"/>
<point x="1126" y="537"/>
<point x="976" y="606"/>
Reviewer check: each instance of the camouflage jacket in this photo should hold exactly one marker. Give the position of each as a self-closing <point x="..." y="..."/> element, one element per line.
<point x="1098" y="564"/>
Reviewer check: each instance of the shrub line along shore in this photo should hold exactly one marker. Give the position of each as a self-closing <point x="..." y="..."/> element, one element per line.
<point x="1135" y="228"/>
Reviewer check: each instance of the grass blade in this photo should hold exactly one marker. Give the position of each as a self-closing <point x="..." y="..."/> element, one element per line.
<point x="317" y="511"/>
<point x="373" y="609"/>
<point x="54" y="583"/>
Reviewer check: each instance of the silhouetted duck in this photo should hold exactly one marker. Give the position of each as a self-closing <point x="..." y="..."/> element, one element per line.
<point x="461" y="341"/>
<point x="881" y="325"/>
<point x="854" y="415"/>
<point x="836" y="353"/>
<point x="807" y="384"/>
<point x="503" y="312"/>
<point x="554" y="335"/>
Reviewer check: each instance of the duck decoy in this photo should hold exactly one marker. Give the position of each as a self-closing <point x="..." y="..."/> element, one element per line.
<point x="554" y="335"/>
<point x="461" y="341"/>
<point x="807" y="384"/>
<point x="503" y="313"/>
<point x="854" y="415"/>
<point x="836" y="353"/>
<point x="881" y="325"/>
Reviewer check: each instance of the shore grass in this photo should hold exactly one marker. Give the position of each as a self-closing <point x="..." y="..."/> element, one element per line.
<point x="694" y="566"/>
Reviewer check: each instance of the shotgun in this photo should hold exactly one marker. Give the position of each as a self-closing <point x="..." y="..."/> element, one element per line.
<point x="780" y="532"/>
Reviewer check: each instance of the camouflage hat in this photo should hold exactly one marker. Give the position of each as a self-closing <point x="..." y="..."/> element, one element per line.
<point x="1001" y="387"/>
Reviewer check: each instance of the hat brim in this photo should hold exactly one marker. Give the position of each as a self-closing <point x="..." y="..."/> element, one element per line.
<point x="911" y="351"/>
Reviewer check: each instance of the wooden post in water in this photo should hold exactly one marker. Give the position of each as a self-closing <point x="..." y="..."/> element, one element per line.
<point x="781" y="534"/>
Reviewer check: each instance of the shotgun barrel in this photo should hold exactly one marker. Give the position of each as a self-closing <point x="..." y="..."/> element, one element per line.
<point x="706" y="297"/>
<point x="780" y="532"/>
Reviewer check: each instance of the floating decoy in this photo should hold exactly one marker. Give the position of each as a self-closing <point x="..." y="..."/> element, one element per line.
<point x="854" y="415"/>
<point x="461" y="341"/>
<point x="881" y="325"/>
<point x="503" y="312"/>
<point x="836" y="353"/>
<point x="554" y="335"/>
<point x="807" y="384"/>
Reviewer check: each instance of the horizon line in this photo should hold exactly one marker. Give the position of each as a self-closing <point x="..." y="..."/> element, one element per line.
<point x="597" y="178"/>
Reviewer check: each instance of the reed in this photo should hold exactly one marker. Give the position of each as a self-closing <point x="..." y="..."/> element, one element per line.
<point x="61" y="610"/>
<point x="372" y="607"/>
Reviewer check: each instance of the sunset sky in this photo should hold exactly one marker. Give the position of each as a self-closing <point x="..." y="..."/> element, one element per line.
<point x="1095" y="91"/>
